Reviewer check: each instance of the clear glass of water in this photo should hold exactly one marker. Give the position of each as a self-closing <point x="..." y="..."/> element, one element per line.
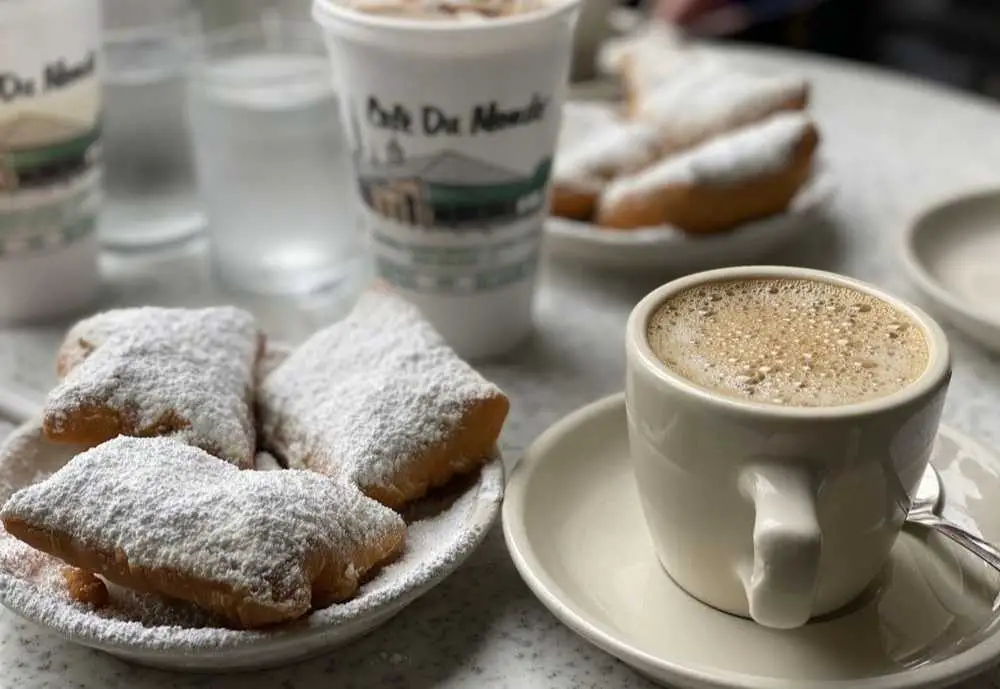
<point x="149" y="189"/>
<point x="272" y="160"/>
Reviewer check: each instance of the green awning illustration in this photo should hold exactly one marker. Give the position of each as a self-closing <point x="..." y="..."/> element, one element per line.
<point x="453" y="187"/>
<point x="470" y="194"/>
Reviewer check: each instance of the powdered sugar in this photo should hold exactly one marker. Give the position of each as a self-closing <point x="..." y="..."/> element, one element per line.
<point x="652" y="43"/>
<point x="654" y="54"/>
<point x="265" y="461"/>
<point x="710" y="98"/>
<point x="690" y="94"/>
<point x="151" y="610"/>
<point x="364" y="397"/>
<point x="617" y="149"/>
<point x="581" y="119"/>
<point x="24" y="562"/>
<point x="155" y="363"/>
<point x="167" y="505"/>
<point x="174" y="634"/>
<point x="26" y="458"/>
<point x="760" y="149"/>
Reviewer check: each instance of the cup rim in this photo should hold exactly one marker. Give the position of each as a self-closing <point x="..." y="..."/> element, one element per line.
<point x="938" y="364"/>
<point x="179" y="27"/>
<point x="327" y="12"/>
<point x="260" y="27"/>
<point x="305" y="34"/>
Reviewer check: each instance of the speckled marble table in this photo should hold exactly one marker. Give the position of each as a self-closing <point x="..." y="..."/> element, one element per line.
<point x="894" y="145"/>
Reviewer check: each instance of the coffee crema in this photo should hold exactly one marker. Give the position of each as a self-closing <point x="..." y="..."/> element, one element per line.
<point x="785" y="341"/>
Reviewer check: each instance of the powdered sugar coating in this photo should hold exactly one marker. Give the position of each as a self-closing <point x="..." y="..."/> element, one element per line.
<point x="265" y="461"/>
<point x="24" y="562"/>
<point x="197" y="364"/>
<point x="619" y="148"/>
<point x="163" y="628"/>
<point x="690" y="93"/>
<point x="581" y="119"/>
<point x="169" y="506"/>
<point x="364" y="397"/>
<point x="760" y="149"/>
<point x="152" y="610"/>
<point x="434" y="546"/>
<point x="27" y="457"/>
<point x="651" y="55"/>
<point x="710" y="97"/>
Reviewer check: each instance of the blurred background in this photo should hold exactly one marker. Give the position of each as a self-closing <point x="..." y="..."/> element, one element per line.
<point x="955" y="42"/>
<point x="203" y="100"/>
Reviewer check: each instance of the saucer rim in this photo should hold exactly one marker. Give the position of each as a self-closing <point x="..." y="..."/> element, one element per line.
<point x="947" y="303"/>
<point x="963" y="665"/>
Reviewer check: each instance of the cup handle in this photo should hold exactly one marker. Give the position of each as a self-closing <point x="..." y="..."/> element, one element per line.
<point x="781" y="583"/>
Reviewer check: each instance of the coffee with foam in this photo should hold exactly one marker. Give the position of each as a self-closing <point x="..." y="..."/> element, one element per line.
<point x="793" y="342"/>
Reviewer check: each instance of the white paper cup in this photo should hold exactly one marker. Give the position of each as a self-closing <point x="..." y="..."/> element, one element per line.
<point x="50" y="103"/>
<point x="453" y="126"/>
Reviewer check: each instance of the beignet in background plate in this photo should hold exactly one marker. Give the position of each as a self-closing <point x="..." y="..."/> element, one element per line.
<point x="746" y="175"/>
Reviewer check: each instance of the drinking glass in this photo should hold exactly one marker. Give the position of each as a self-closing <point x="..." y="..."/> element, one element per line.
<point x="271" y="160"/>
<point x="149" y="189"/>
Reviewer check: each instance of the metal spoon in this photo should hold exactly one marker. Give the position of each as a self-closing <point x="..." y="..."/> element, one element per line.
<point x="923" y="511"/>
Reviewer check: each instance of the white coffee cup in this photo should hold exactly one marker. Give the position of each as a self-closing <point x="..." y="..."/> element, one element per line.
<point x="771" y="512"/>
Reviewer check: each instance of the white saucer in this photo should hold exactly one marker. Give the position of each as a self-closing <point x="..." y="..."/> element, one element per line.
<point x="437" y="543"/>
<point x="666" y="248"/>
<point x="574" y="528"/>
<point x="952" y="252"/>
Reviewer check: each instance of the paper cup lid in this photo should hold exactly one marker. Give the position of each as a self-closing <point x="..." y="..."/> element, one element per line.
<point x="443" y="36"/>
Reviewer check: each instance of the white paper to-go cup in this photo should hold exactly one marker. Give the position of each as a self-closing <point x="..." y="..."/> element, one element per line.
<point x="453" y="125"/>
<point x="49" y="157"/>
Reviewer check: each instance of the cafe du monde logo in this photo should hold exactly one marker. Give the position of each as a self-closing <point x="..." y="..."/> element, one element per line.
<point x="448" y="189"/>
<point x="40" y="148"/>
<point x="55" y="75"/>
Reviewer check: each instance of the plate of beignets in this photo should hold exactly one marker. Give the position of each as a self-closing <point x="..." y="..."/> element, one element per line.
<point x="375" y="474"/>
<point x="700" y="163"/>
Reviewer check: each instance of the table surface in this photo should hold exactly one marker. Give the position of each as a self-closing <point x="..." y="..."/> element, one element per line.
<point x="894" y="144"/>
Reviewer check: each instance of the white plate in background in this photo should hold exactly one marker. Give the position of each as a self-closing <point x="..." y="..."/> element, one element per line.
<point x="667" y="249"/>
<point x="952" y="254"/>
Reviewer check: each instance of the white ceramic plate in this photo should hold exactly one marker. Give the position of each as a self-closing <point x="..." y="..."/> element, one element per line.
<point x="436" y="545"/>
<point x="952" y="253"/>
<point x="666" y="248"/>
<point x="575" y="530"/>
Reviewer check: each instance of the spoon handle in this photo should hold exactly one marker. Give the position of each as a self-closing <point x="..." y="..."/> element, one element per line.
<point x="977" y="546"/>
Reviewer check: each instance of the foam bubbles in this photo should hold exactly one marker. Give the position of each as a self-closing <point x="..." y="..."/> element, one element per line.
<point x="788" y="342"/>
